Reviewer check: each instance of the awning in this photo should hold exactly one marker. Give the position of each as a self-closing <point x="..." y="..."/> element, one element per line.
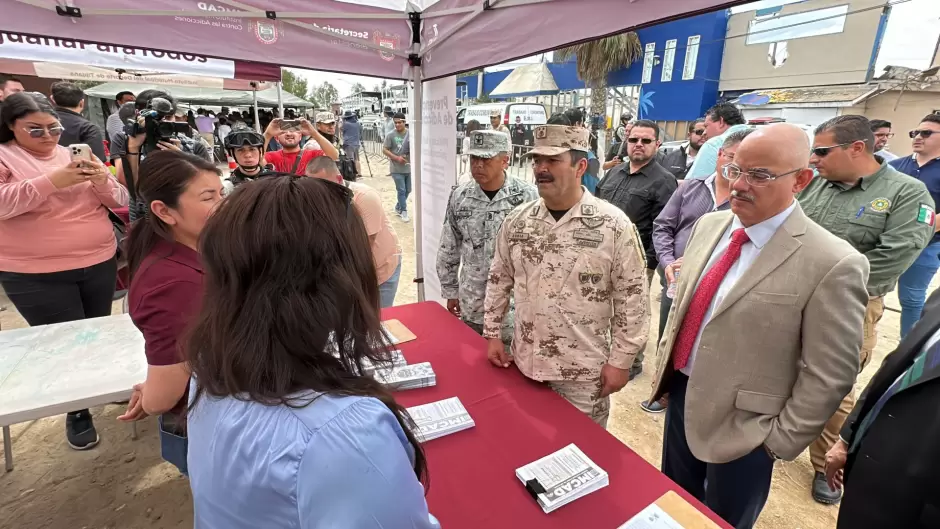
<point x="528" y="80"/>
<point x="206" y="96"/>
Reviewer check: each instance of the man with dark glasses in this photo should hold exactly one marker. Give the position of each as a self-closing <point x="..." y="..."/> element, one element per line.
<point x="861" y="199"/>
<point x="923" y="165"/>
<point x="679" y="161"/>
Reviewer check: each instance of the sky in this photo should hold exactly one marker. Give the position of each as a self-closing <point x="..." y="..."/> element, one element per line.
<point x="910" y="40"/>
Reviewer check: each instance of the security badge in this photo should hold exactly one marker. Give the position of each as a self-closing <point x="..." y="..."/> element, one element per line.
<point x="880" y="205"/>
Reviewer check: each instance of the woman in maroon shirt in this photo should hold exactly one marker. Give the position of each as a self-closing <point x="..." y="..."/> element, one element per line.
<point x="181" y="191"/>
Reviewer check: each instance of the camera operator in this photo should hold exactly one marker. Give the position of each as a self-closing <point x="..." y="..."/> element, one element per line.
<point x="291" y="159"/>
<point x="246" y="147"/>
<point x="153" y="107"/>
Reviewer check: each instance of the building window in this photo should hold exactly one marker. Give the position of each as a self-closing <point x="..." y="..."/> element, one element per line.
<point x="648" y="59"/>
<point x="669" y="59"/>
<point x="773" y="28"/>
<point x="691" y="57"/>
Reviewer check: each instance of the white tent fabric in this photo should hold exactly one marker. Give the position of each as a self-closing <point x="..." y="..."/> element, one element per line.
<point x="419" y="41"/>
<point x="206" y="96"/>
<point x="527" y="80"/>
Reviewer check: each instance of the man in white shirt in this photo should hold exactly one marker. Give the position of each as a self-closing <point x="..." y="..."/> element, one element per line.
<point x="882" y="131"/>
<point x="764" y="333"/>
<point x="114" y="125"/>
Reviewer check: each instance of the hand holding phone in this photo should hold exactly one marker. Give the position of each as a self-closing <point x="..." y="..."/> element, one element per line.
<point x="80" y="152"/>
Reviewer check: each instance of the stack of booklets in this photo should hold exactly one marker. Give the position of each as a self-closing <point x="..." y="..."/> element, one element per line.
<point x="407" y="377"/>
<point x="562" y="477"/>
<point x="440" y="418"/>
<point x="398" y="360"/>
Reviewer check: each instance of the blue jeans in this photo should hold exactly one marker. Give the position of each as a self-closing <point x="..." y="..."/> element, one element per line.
<point x="403" y="186"/>
<point x="389" y="288"/>
<point x="174" y="444"/>
<point x="912" y="285"/>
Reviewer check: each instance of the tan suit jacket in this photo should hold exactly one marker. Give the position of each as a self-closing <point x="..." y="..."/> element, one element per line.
<point x="780" y="351"/>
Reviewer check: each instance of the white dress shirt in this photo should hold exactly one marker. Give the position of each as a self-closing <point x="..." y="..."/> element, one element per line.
<point x="759" y="235"/>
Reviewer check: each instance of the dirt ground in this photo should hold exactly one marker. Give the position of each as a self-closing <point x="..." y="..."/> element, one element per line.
<point x="124" y="483"/>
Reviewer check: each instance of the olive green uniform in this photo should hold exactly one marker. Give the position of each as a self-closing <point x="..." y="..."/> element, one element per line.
<point x="879" y="216"/>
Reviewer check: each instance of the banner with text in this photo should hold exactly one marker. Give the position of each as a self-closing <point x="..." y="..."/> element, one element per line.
<point x="438" y="171"/>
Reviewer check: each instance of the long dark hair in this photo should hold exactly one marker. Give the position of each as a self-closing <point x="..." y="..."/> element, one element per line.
<point x="288" y="267"/>
<point x="20" y="104"/>
<point x="164" y="176"/>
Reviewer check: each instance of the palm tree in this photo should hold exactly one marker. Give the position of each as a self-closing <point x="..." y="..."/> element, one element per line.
<point x="598" y="58"/>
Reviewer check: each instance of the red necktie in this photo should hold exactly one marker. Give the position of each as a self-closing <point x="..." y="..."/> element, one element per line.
<point x="702" y="299"/>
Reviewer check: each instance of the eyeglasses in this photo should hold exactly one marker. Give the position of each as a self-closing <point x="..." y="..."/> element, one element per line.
<point x="923" y="133"/>
<point x="756" y="178"/>
<point x="887" y="135"/>
<point x="646" y="141"/>
<point x="698" y="132"/>
<point x="822" y="152"/>
<point x="53" y="131"/>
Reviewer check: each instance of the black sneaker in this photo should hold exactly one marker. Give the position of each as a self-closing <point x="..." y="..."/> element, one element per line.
<point x="635" y="370"/>
<point x="822" y="493"/>
<point x="80" y="430"/>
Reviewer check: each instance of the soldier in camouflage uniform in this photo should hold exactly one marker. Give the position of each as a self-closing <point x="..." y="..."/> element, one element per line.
<point x="475" y="212"/>
<point x="577" y="270"/>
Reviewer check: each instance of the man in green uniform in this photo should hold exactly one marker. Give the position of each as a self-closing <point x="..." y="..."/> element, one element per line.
<point x="860" y="198"/>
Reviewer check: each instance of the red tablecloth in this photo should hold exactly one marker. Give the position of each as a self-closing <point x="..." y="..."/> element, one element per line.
<point x="473" y="481"/>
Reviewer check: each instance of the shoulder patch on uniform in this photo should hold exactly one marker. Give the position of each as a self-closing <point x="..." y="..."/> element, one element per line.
<point x="880" y="205"/>
<point x="588" y="209"/>
<point x="535" y="211"/>
<point x="515" y="200"/>
<point x="926" y="215"/>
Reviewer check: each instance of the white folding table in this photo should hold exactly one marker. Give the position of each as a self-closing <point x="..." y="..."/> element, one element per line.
<point x="54" y="369"/>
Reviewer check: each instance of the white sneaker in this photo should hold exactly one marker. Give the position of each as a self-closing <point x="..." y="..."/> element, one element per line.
<point x="404" y="217"/>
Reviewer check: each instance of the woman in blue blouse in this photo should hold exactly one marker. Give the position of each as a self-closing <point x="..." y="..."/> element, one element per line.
<point x="282" y="432"/>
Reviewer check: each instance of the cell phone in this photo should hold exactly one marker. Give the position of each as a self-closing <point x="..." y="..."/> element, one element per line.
<point x="80" y="152"/>
<point x="290" y="124"/>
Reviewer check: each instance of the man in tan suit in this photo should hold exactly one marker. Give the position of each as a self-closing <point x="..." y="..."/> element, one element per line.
<point x="764" y="333"/>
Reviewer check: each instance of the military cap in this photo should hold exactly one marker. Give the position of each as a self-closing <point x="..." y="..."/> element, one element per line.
<point x="488" y="143"/>
<point x="556" y="139"/>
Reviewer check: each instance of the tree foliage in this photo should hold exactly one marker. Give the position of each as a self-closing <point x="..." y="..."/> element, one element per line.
<point x="599" y="58"/>
<point x="357" y="87"/>
<point x="293" y="83"/>
<point x="323" y="95"/>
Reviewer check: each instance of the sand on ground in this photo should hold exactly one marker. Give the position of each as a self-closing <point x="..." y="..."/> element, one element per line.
<point x="124" y="483"/>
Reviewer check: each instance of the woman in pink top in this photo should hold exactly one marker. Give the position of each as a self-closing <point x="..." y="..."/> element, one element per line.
<point x="57" y="259"/>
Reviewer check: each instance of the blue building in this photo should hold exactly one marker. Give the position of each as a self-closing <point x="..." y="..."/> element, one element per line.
<point x="678" y="74"/>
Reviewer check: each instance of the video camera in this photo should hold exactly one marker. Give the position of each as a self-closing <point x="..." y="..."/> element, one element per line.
<point x="151" y="123"/>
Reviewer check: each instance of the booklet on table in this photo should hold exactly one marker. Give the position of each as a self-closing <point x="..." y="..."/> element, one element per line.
<point x="437" y="419"/>
<point x="407" y="377"/>
<point x="562" y="477"/>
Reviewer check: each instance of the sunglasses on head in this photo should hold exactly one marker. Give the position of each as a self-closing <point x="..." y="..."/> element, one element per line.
<point x="55" y="130"/>
<point x="923" y="133"/>
<point x="822" y="152"/>
<point x="645" y="141"/>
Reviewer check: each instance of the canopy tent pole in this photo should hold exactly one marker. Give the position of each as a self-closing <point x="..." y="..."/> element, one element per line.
<point x="254" y="103"/>
<point x="280" y="101"/>
<point x="415" y="60"/>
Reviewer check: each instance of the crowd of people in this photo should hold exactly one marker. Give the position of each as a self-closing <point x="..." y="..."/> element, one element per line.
<point x="775" y="251"/>
<point x="259" y="298"/>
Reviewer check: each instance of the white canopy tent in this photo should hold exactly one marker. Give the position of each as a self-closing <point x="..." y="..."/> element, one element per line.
<point x="406" y="39"/>
<point x="527" y="80"/>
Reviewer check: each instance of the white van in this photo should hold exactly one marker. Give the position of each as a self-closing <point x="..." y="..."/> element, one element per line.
<point x="530" y="114"/>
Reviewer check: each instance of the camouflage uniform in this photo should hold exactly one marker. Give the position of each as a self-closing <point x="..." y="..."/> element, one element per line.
<point x="579" y="285"/>
<point x="469" y="234"/>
